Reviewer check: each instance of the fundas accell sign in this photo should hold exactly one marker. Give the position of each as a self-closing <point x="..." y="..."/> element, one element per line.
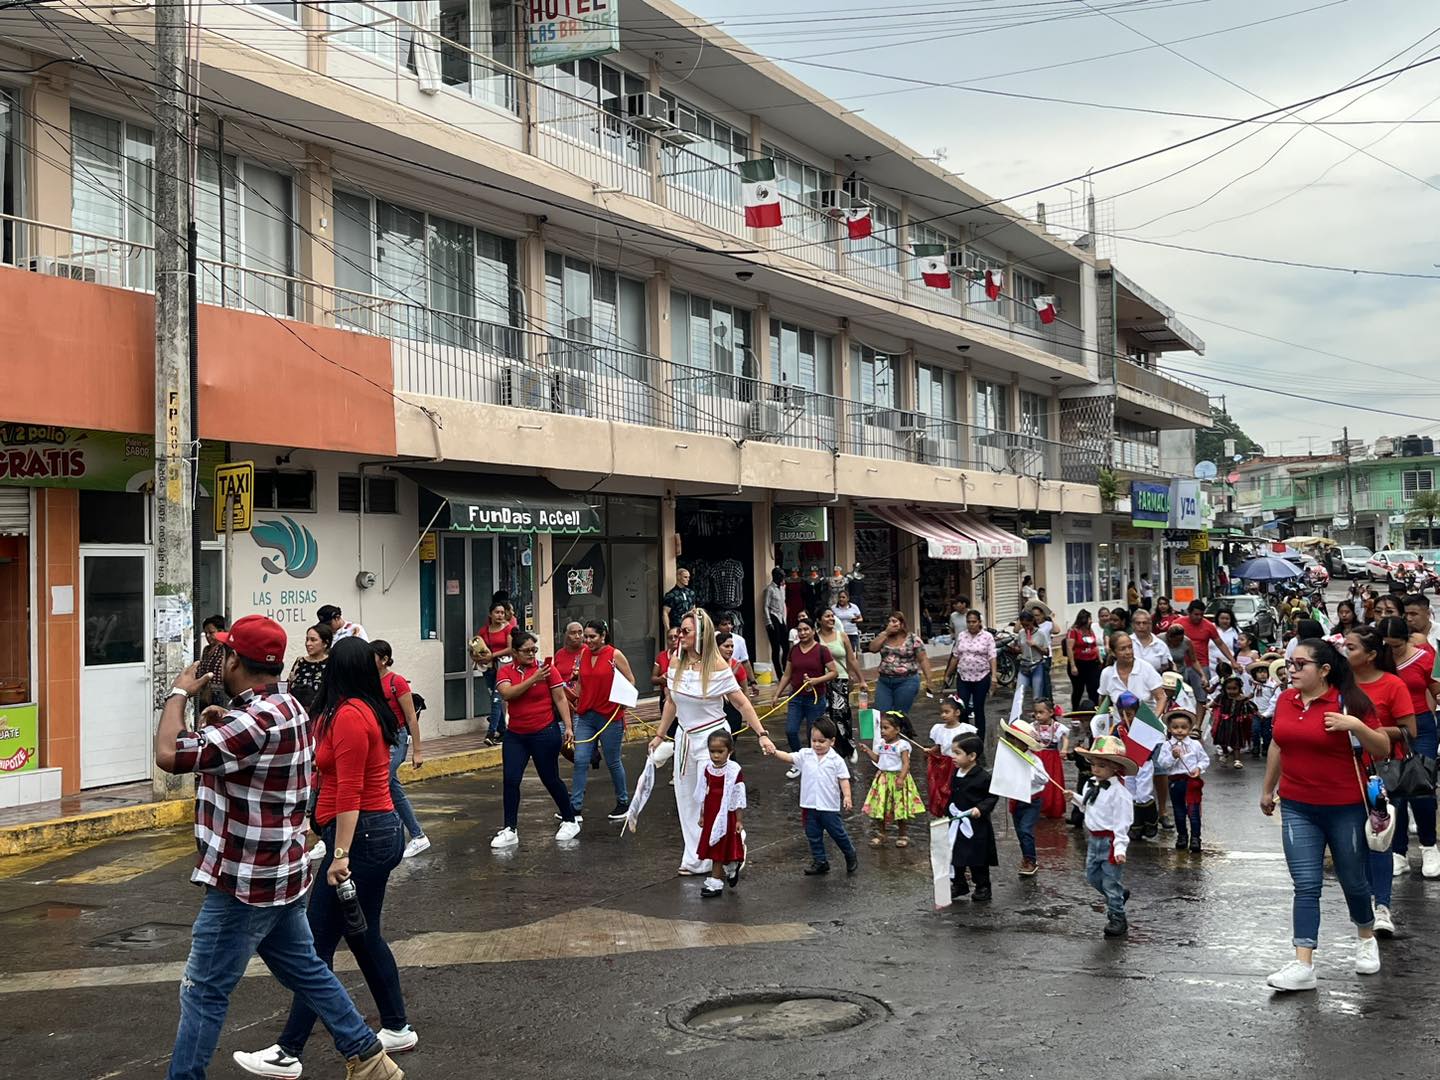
<point x="476" y="518"/>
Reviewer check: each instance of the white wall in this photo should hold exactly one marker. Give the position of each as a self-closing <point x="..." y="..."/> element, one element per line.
<point x="292" y="601"/>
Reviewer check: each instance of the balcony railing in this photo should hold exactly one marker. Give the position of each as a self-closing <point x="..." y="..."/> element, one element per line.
<point x="460" y="356"/>
<point x="1165" y="388"/>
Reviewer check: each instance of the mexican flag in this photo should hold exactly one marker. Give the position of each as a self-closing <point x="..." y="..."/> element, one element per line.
<point x="1146" y="732"/>
<point x="859" y="223"/>
<point x="994" y="284"/>
<point x="762" y="196"/>
<point x="1045" y="305"/>
<point x="933" y="270"/>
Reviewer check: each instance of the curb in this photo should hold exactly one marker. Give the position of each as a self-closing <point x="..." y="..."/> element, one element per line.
<point x="56" y="833"/>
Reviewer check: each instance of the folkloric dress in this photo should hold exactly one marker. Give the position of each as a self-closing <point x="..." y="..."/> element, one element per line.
<point x="721" y="793"/>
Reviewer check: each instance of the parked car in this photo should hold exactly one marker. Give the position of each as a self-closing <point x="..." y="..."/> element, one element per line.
<point x="1383" y="565"/>
<point x="1349" y="560"/>
<point x="1253" y="614"/>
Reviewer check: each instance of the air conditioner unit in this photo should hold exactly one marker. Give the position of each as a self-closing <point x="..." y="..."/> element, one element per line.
<point x="858" y="190"/>
<point x="528" y="388"/>
<point x="648" y="111"/>
<point x="908" y="422"/>
<point x="684" y="127"/>
<point x="765" y="418"/>
<point x="831" y="201"/>
<point x="59" y="266"/>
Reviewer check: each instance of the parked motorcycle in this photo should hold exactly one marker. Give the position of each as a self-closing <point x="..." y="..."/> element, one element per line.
<point x="1007" y="664"/>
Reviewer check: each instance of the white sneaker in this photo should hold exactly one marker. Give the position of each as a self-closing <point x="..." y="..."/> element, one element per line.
<point x="415" y="847"/>
<point x="396" y="1041"/>
<point x="1384" y="923"/>
<point x="1400" y="864"/>
<point x="792" y="774"/>
<point x="1293" y="976"/>
<point x="505" y="838"/>
<point x="1367" y="957"/>
<point x="1430" y="862"/>
<point x="316" y="854"/>
<point x="579" y="818"/>
<point x="569" y="830"/>
<point x="272" y="1061"/>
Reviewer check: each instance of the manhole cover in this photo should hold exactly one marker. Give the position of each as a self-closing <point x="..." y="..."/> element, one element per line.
<point x="773" y="1013"/>
<point x="153" y="935"/>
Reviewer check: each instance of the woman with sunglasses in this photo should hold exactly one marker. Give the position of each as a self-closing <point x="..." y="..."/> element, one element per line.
<point x="700" y="684"/>
<point x="1322" y="800"/>
<point x="534" y="693"/>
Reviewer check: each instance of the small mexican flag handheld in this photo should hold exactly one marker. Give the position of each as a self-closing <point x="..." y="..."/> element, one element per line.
<point x="1045" y="305"/>
<point x="762" y="196"/>
<point x="1145" y="733"/>
<point x="858" y="222"/>
<point x="994" y="284"/>
<point x="933" y="270"/>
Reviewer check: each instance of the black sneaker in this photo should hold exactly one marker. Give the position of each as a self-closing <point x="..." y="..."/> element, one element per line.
<point x="817" y="868"/>
<point x="852" y="863"/>
<point x="959" y="891"/>
<point x="1195" y="846"/>
<point x="982" y="895"/>
<point x="620" y="813"/>
<point x="1116" y="926"/>
<point x="1181" y="843"/>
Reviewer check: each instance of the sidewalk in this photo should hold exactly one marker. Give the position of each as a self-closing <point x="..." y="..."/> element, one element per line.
<point x="127" y="808"/>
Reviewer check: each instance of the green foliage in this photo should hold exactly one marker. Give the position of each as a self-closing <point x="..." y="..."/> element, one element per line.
<point x="1108" y="484"/>
<point x="1210" y="443"/>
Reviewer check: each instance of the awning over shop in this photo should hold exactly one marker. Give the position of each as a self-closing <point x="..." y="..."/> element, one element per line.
<point x="951" y="534"/>
<point x="507" y="504"/>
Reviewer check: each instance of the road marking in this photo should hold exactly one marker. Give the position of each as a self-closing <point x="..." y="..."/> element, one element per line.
<point x="159" y="852"/>
<point x="13" y="866"/>
<point x="585" y="932"/>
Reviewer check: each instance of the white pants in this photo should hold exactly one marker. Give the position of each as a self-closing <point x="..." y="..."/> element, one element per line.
<point x="695" y="757"/>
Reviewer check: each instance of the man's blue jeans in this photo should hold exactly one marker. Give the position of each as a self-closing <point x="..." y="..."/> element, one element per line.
<point x="804" y="709"/>
<point x="1103" y="875"/>
<point x="820" y="822"/>
<point x="1307" y="830"/>
<point x="226" y="935"/>
<point x="1037" y="681"/>
<point x="398" y="753"/>
<point x="497" y="704"/>
<point x="586" y="725"/>
<point x="1025" y="817"/>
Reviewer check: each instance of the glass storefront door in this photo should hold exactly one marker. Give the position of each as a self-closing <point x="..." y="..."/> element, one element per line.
<point x="468" y="573"/>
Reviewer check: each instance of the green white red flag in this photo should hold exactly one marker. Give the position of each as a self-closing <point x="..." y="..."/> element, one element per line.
<point x="859" y="222"/>
<point x="761" y="193"/>
<point x="933" y="270"/>
<point x="1045" y="306"/>
<point x="994" y="284"/>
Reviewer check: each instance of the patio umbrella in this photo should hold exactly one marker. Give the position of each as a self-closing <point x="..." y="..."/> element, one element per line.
<point x="1266" y="568"/>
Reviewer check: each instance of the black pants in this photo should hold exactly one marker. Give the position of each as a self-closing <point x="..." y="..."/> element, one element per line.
<point x="779" y="643"/>
<point x="543" y="747"/>
<point x="1085" y="680"/>
<point x="979" y="875"/>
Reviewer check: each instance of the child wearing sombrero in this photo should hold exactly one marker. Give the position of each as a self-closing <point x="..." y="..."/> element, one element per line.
<point x="1022" y="737"/>
<point x="1109" y="811"/>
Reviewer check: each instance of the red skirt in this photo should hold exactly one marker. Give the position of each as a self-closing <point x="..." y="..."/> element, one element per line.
<point x="939" y="772"/>
<point x="729" y="849"/>
<point x="1052" y="798"/>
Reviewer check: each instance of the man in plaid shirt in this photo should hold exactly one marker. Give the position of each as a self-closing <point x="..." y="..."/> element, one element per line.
<point x="252" y="765"/>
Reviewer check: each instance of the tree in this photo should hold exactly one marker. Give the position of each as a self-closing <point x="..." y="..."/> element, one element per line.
<point x="1210" y="443"/>
<point x="1424" y="509"/>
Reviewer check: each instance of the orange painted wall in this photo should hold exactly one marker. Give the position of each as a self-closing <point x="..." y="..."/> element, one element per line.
<point x="262" y="379"/>
<point x="57" y="539"/>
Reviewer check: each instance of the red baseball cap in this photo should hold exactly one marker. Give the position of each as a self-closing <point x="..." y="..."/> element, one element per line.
<point x="256" y="637"/>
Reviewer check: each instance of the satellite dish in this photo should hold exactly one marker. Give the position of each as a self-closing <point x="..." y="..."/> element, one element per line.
<point x="1238" y="457"/>
<point x="1205" y="470"/>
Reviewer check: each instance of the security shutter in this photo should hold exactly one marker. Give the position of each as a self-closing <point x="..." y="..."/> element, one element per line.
<point x="14" y="511"/>
<point x="1005" y="586"/>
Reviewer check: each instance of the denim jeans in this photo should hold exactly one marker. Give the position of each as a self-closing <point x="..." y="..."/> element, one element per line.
<point x="1308" y="829"/>
<point x="375" y="850"/>
<point x="226" y="934"/>
<point x="803" y="711"/>
<point x="1037" y="681"/>
<point x="586" y="726"/>
<point x="974" y="695"/>
<point x="1381" y="869"/>
<point x="896" y="693"/>
<point x="1187" y="818"/>
<point x="398" y="753"/>
<point x="497" y="704"/>
<point x="1424" y="744"/>
<point x="1106" y="877"/>
<point x="544" y="748"/>
<point x="1025" y="815"/>
<point x="820" y="822"/>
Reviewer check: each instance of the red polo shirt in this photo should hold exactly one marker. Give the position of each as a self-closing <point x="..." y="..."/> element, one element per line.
<point x="1316" y="766"/>
<point x="1391" y="699"/>
<point x="534" y="710"/>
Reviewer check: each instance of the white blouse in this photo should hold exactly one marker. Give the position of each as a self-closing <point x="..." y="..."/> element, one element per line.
<point x="694" y="711"/>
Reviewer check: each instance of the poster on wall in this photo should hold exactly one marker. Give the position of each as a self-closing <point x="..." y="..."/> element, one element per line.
<point x="1184" y="584"/>
<point x="561" y="30"/>
<point x="19" y="739"/>
<point x="580" y="581"/>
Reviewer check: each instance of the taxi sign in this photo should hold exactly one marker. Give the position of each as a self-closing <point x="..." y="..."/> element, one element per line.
<point x="235" y="487"/>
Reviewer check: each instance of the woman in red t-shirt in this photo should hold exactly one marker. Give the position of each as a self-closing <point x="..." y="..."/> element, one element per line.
<point x="354" y="729"/>
<point x="1082" y="649"/>
<point x="599" y="720"/>
<point x="534" y="695"/>
<point x="1322" y="799"/>
<point x="1374" y="666"/>
<point x="1415" y="665"/>
<point x="495" y="636"/>
<point x="402" y="703"/>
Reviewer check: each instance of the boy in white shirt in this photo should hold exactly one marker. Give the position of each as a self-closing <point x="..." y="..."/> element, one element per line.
<point x="824" y="792"/>
<point x="1109" y="812"/>
<point x="1181" y="759"/>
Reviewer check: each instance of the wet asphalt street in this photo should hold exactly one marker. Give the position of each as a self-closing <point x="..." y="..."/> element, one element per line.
<point x="569" y="961"/>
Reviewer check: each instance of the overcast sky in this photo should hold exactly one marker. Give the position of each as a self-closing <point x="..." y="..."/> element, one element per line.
<point x="1364" y="213"/>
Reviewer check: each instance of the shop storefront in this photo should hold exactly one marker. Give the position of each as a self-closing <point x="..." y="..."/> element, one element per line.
<point x="717" y="545"/>
<point x="802" y="540"/>
<point x="877" y="555"/>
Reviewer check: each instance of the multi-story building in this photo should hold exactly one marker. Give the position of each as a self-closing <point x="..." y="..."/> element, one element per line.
<point x="1270" y="489"/>
<point x="1372" y="501"/>
<point x="488" y="323"/>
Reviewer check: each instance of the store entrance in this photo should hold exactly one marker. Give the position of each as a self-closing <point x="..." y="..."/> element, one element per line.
<point x="717" y="547"/>
<point x="469" y="571"/>
<point x="116" y="705"/>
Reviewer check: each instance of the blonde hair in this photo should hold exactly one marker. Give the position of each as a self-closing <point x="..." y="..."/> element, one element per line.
<point x="705" y="647"/>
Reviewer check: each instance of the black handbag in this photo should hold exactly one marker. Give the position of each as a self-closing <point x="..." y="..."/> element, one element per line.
<point x="1410" y="777"/>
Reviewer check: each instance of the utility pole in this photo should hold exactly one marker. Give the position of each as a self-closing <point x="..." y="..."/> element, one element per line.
<point x="1349" y="482"/>
<point x="175" y="449"/>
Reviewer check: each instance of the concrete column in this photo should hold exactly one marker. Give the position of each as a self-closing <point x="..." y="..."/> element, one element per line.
<point x="909" y="581"/>
<point x="762" y="554"/>
<point x="844" y="435"/>
<point x="905" y="375"/>
<point x="654" y="159"/>
<point x="48" y="172"/>
<point x="765" y="364"/>
<point x="669" y="543"/>
<point x="316" y="255"/>
<point x="905" y="264"/>
<point x="660" y="329"/>
<point x="842" y="170"/>
<point x="546" y="632"/>
<point x="1007" y="297"/>
<point x="530" y="255"/>
<point x="313" y="20"/>
<point x="844" y="538"/>
<point x="1097" y="313"/>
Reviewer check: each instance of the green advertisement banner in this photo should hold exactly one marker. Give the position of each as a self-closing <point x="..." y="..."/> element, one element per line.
<point x="42" y="455"/>
<point x="19" y="738"/>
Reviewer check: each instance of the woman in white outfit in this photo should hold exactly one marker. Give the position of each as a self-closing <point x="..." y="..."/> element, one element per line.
<point x="699" y="684"/>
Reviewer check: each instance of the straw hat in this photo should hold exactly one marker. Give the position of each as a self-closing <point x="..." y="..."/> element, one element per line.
<point x="1022" y="731"/>
<point x="1187" y="713"/>
<point x="1276" y="667"/>
<point x="1171" y="680"/>
<point x="1111" y="750"/>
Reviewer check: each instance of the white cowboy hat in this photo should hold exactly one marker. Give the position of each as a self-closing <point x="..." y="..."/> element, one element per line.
<point x="1022" y="731"/>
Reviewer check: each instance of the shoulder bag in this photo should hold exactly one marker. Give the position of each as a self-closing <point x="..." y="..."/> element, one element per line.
<point x="1410" y="777"/>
